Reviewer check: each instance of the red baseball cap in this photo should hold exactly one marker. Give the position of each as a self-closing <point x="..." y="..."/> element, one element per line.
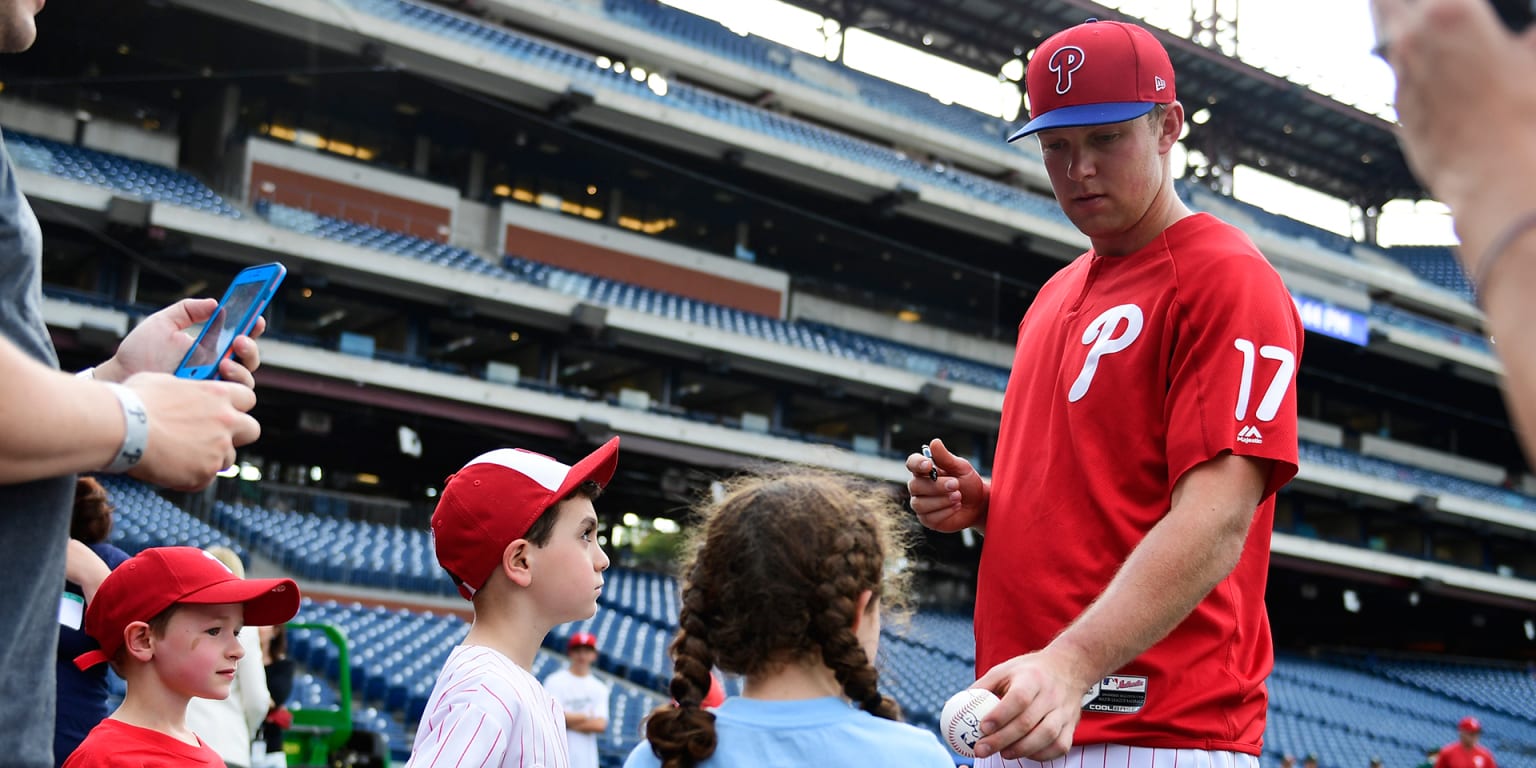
<point x="1096" y="73"/>
<point x="496" y="498"/>
<point x="157" y="578"/>
<point x="1470" y="723"/>
<point x="582" y="640"/>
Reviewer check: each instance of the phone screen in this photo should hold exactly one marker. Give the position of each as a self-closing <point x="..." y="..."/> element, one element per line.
<point x="229" y="320"/>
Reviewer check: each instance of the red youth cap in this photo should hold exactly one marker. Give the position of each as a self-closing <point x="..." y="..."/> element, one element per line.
<point x="496" y="498"/>
<point x="1470" y="723"/>
<point x="1096" y="73"/>
<point x="157" y="578"/>
<point x="582" y="640"/>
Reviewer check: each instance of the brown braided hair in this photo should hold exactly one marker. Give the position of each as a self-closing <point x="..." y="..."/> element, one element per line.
<point x="772" y="573"/>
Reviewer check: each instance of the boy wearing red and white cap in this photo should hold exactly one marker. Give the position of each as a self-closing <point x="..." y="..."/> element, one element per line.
<point x="517" y="532"/>
<point x="1148" y="421"/>
<point x="1465" y="752"/>
<point x="583" y="697"/>
<point x="167" y="620"/>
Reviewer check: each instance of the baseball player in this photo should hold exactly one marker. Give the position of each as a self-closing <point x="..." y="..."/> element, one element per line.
<point x="1148" y="421"/>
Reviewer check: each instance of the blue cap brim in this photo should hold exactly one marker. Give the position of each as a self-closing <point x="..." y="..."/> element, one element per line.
<point x="1085" y="114"/>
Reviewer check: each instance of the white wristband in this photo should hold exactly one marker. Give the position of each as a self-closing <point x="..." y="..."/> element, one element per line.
<point x="135" y="432"/>
<point x="88" y="374"/>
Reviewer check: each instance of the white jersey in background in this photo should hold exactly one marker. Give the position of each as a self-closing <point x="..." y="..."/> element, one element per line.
<point x="583" y="695"/>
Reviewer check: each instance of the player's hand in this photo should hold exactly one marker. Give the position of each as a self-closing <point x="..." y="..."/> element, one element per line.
<point x="194" y="428"/>
<point x="956" y="500"/>
<point x="1041" y="701"/>
<point x="160" y="342"/>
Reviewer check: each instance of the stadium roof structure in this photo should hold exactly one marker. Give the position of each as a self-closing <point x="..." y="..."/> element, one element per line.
<point x="1257" y="119"/>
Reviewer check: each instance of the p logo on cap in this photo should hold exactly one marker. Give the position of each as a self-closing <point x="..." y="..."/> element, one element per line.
<point x="1096" y="73"/>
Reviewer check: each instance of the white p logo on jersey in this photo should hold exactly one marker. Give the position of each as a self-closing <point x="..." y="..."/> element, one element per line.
<point x="1066" y="60"/>
<point x="1101" y="334"/>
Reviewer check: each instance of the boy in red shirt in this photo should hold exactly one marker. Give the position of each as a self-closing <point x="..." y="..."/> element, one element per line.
<point x="167" y="621"/>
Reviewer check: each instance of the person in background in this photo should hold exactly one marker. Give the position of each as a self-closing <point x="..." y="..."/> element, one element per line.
<point x="82" y="694"/>
<point x="267" y="750"/>
<point x="583" y="697"/>
<point x="1465" y="752"/>
<point x="229" y="724"/>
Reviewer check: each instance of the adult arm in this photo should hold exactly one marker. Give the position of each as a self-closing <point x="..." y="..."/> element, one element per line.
<point x="1466" y="101"/>
<point x="84" y="567"/>
<point x="585" y="723"/>
<point x="1183" y="557"/>
<point x="53" y="424"/>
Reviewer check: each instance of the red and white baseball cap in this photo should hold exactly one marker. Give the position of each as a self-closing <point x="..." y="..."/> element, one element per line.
<point x="1470" y="724"/>
<point x="155" y="579"/>
<point x="1096" y="73"/>
<point x="496" y="498"/>
<point x="582" y="640"/>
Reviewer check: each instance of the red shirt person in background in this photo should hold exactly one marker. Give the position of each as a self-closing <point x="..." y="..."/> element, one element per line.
<point x="1465" y="752"/>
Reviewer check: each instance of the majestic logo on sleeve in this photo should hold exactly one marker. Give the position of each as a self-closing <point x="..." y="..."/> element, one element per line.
<point x="1066" y="60"/>
<point x="1106" y="335"/>
<point x="1274" y="393"/>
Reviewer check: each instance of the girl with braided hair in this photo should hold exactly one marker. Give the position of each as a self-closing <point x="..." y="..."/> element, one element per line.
<point x="784" y="579"/>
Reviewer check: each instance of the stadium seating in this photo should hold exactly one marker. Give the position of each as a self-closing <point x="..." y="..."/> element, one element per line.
<point x="1338" y="708"/>
<point x="148" y="181"/>
<point x="583" y="68"/>
<point x="803" y="69"/>
<point x="1429" y="480"/>
<point x="815" y="337"/>
<point x="1461" y="337"/>
<point x="1434" y="264"/>
<point x="144" y="519"/>
<point x="1507" y="690"/>
<point x="339" y="551"/>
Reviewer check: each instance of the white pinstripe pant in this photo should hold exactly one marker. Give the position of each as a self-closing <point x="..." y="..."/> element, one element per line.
<point x="1121" y="756"/>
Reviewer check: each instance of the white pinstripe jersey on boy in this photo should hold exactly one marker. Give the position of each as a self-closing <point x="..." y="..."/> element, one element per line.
<point x="486" y="711"/>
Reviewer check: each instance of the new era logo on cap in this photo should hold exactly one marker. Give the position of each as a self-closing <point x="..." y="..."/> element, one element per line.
<point x="1096" y="73"/>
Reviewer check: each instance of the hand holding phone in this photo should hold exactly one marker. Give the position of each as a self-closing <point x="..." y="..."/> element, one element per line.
<point x="237" y="313"/>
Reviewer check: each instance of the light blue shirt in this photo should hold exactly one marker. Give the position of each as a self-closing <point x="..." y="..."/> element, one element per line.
<point x="829" y="731"/>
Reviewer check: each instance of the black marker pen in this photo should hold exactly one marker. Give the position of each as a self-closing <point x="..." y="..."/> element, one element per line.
<point x="933" y="469"/>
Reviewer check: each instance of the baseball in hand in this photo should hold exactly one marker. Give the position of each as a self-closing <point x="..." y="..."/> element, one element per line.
<point x="961" y="719"/>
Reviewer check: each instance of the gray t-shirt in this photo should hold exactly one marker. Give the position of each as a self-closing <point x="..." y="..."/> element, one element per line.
<point x="34" y="517"/>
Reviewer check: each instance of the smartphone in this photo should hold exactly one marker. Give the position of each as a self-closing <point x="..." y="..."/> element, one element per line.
<point x="238" y="311"/>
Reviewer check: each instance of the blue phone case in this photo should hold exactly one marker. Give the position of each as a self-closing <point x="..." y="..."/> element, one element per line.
<point x="242" y="305"/>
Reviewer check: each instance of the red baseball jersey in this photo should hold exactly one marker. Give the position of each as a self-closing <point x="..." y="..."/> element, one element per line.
<point x="1131" y="370"/>
<point x="1454" y="755"/>
<point x="114" y="743"/>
